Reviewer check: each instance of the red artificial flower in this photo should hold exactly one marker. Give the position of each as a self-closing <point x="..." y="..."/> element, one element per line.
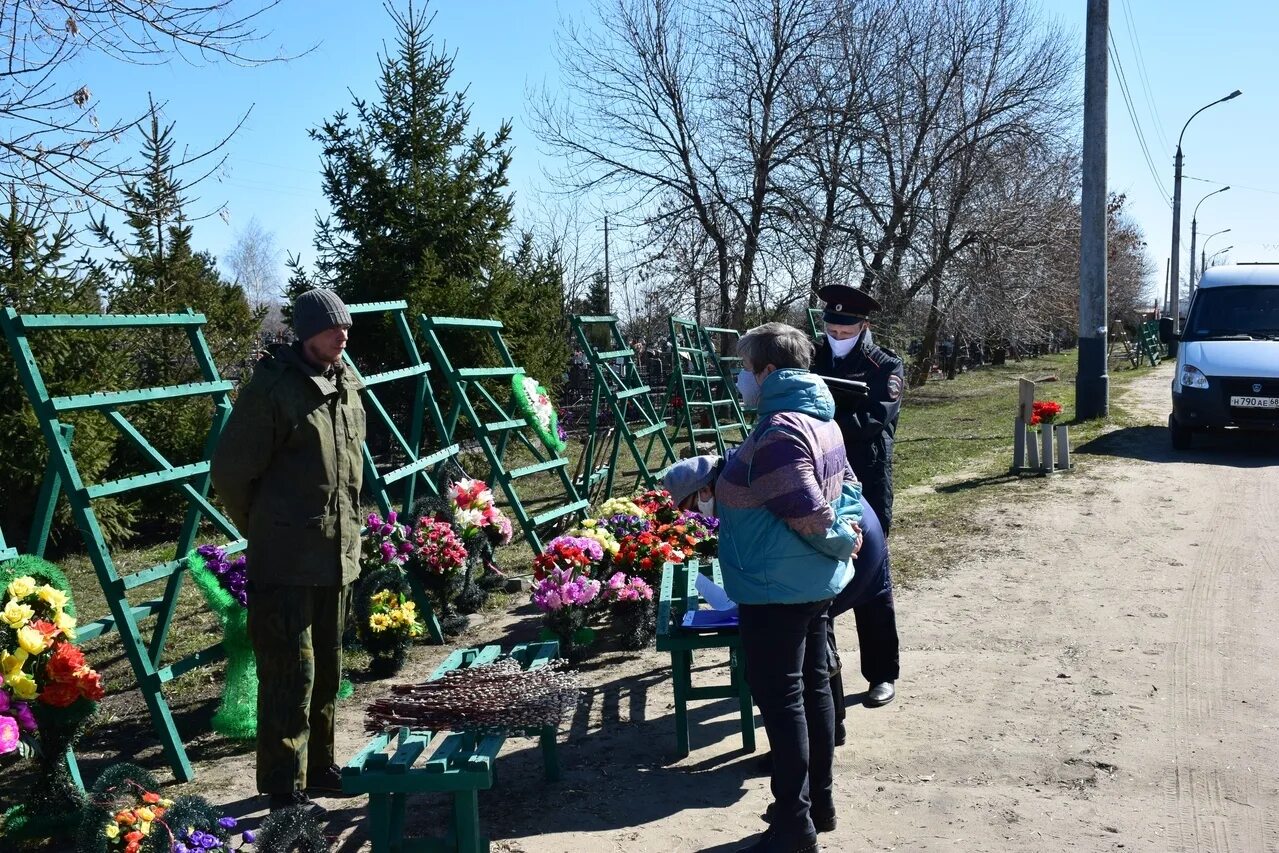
<point x="45" y="627"/>
<point x="89" y="682"/>
<point x="150" y="797"/>
<point x="65" y="661"/>
<point x="60" y="694"/>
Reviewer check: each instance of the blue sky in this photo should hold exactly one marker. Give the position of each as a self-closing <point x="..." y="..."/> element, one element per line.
<point x="1192" y="54"/>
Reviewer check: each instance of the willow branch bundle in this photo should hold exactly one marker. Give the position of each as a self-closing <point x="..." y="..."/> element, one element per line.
<point x="500" y="696"/>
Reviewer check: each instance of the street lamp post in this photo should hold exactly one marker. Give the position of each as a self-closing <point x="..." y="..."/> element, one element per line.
<point x="1214" y="255"/>
<point x="1194" y="226"/>
<point x="1176" y="212"/>
<point x="1202" y="253"/>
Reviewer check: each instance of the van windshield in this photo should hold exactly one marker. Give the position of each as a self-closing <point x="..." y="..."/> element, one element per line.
<point x="1249" y="312"/>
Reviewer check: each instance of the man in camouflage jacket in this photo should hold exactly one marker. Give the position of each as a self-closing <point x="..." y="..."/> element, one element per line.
<point x="288" y="468"/>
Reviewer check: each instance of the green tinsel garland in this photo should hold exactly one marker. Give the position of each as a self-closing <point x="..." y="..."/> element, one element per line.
<point x="118" y="786"/>
<point x="291" y="830"/>
<point x="237" y="715"/>
<point x="549" y="436"/>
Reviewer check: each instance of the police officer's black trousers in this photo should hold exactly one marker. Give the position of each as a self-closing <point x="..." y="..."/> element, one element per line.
<point x="877" y="642"/>
<point x="297" y="639"/>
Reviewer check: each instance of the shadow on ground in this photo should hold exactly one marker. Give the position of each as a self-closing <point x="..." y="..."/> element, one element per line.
<point x="1234" y="448"/>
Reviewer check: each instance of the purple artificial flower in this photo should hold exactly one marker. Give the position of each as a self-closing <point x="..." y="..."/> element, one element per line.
<point x="4" y="701"/>
<point x="388" y="552"/>
<point x="227" y="822"/>
<point x="626" y="525"/>
<point x="249" y="836"/>
<point x="391" y="516"/>
<point x="26" y="719"/>
<point x="179" y="847"/>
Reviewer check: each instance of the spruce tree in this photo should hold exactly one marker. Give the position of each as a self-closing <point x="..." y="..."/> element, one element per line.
<point x="38" y="276"/>
<point x="421" y="211"/>
<point x="156" y="270"/>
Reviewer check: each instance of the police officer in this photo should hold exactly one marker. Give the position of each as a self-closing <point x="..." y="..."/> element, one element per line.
<point x="868" y="426"/>
<point x="288" y="468"/>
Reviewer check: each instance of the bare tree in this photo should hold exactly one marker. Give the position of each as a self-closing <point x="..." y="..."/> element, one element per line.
<point x="680" y="105"/>
<point x="54" y="143"/>
<point x="255" y="263"/>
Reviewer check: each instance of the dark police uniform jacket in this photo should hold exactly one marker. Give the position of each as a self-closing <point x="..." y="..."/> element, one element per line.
<point x="869" y="426"/>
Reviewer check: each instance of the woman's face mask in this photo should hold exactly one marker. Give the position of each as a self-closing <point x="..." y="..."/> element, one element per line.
<point x="748" y="387"/>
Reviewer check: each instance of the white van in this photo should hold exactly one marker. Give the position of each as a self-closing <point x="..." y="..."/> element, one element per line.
<point x="1228" y="357"/>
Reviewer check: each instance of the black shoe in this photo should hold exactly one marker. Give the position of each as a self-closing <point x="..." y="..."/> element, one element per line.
<point x="880" y="694"/>
<point x="772" y="842"/>
<point x="326" y="783"/>
<point x="298" y="800"/>
<point x="823" y="818"/>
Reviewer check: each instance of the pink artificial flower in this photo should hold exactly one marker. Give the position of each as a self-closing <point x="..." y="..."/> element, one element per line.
<point x="388" y="552"/>
<point x="8" y="735"/>
<point x="391" y="516"/>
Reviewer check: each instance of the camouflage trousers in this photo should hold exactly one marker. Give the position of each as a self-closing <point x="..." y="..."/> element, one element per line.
<point x="297" y="638"/>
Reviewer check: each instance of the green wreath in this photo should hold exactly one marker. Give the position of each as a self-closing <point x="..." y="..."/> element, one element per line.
<point x="550" y="433"/>
<point x="237" y="715"/>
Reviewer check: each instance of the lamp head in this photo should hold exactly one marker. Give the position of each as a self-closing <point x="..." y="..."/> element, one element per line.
<point x="1236" y="93"/>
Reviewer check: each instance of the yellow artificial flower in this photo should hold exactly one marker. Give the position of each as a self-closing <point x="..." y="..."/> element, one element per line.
<point x="16" y="614"/>
<point x="113" y="830"/>
<point x="52" y="596"/>
<point x="66" y="624"/>
<point x="410" y="606"/>
<point x="12" y="663"/>
<point x="145" y="813"/>
<point x="145" y="827"/>
<point x="23" y="686"/>
<point x="379" y="622"/>
<point x="166" y="803"/>
<point x="31" y="640"/>
<point x="22" y="587"/>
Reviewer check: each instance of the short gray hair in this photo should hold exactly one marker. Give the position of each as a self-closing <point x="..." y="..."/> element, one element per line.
<point x="778" y="344"/>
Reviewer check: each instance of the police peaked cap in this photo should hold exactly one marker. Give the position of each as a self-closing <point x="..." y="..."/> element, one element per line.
<point x="846" y="305"/>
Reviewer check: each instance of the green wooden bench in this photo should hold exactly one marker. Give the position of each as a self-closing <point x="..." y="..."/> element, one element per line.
<point x="679" y="596"/>
<point x="388" y="769"/>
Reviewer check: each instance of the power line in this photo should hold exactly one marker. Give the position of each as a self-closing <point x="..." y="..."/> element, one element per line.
<point x="1143" y="78"/>
<point x="1132" y="115"/>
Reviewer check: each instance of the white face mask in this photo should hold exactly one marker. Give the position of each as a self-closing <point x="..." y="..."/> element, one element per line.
<point x="840" y="348"/>
<point x="706" y="507"/>
<point x="748" y="387"/>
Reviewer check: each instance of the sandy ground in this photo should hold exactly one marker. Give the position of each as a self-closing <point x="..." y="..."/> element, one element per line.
<point x="1097" y="673"/>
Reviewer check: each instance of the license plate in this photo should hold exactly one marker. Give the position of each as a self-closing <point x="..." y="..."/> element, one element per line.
<point x="1255" y="402"/>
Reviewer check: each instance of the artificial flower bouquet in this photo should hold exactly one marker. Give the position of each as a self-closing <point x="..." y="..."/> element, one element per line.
<point x="386" y="618"/>
<point x="569" y="601"/>
<point x="658" y="505"/>
<point x="475" y="512"/>
<point x="692" y="533"/>
<point x="1044" y="412"/>
<point x="578" y="555"/>
<point x="632" y="610"/>
<point x="387" y="542"/>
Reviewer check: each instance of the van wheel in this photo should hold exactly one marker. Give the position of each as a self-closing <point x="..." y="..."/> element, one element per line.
<point x="1180" y="434"/>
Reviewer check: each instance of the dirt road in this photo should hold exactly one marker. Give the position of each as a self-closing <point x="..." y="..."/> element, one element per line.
<point x="1098" y="673"/>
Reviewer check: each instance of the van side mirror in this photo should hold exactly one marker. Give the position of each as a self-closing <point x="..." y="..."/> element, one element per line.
<point x="1166" y="334"/>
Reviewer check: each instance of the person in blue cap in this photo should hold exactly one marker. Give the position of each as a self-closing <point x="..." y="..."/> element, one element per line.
<point x="868" y="425"/>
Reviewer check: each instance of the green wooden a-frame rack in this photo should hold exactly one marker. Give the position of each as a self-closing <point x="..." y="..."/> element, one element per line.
<point x="191" y="481"/>
<point x="6" y="552"/>
<point x="814" y="317"/>
<point x="699" y="391"/>
<point x="493" y="423"/>
<point x="407" y="435"/>
<point x="628" y="399"/>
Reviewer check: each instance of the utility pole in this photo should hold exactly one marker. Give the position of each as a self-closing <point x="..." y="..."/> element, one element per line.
<point x="1092" y="384"/>
<point x="608" y="282"/>
<point x="1167" y="295"/>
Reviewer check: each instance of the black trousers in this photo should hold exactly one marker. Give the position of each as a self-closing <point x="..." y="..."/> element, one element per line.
<point x="876" y="640"/>
<point x="787" y="668"/>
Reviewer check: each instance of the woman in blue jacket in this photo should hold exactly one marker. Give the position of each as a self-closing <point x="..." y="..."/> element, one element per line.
<point x="788" y="506"/>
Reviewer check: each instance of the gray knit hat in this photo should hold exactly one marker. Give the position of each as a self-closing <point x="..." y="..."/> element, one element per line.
<point x="686" y="477"/>
<point x="317" y="311"/>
